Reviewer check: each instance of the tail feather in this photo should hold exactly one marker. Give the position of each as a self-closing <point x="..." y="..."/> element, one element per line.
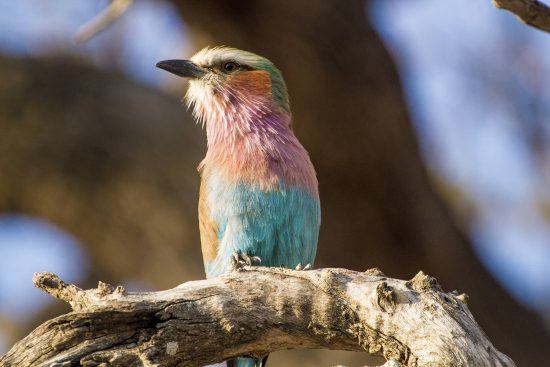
<point x="247" y="362"/>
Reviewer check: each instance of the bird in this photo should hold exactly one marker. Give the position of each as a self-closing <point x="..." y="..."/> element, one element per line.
<point x="258" y="197"/>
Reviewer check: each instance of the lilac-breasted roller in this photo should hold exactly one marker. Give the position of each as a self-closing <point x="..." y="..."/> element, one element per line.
<point x="258" y="193"/>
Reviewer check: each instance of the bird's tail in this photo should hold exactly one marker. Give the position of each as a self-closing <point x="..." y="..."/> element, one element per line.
<point x="247" y="362"/>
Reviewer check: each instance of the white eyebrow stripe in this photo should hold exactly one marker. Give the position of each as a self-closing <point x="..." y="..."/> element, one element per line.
<point x="211" y="56"/>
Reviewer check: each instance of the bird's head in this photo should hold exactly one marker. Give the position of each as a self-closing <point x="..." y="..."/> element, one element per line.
<point x="226" y="81"/>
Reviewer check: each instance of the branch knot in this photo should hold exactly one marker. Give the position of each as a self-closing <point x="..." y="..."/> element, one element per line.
<point x="423" y="283"/>
<point x="385" y="297"/>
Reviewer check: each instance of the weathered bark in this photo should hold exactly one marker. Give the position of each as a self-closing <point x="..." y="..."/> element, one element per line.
<point x="531" y="12"/>
<point x="254" y="312"/>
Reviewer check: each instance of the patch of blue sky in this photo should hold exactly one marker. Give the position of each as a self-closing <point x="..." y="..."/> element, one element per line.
<point x="29" y="27"/>
<point x="520" y="260"/>
<point x="148" y="32"/>
<point x="29" y="245"/>
<point x="468" y="131"/>
<point x="153" y="31"/>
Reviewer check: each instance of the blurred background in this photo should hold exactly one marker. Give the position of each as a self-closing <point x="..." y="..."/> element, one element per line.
<point x="428" y="123"/>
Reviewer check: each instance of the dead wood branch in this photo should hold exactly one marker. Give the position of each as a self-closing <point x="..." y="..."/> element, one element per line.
<point x="102" y="20"/>
<point x="531" y="12"/>
<point x="256" y="311"/>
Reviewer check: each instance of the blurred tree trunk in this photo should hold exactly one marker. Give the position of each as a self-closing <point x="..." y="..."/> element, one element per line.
<point x="379" y="207"/>
<point x="112" y="162"/>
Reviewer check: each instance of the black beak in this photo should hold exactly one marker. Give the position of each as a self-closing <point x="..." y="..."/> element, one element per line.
<point x="184" y="68"/>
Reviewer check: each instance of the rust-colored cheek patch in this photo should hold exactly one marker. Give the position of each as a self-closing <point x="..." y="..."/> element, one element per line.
<point x="257" y="82"/>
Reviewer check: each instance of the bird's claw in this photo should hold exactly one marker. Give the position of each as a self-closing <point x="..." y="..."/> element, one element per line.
<point x="299" y="267"/>
<point x="240" y="259"/>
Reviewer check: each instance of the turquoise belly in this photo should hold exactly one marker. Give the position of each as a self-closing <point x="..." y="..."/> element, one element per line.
<point x="280" y="226"/>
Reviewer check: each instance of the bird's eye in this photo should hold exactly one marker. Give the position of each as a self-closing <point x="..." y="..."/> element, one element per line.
<point x="230" y="66"/>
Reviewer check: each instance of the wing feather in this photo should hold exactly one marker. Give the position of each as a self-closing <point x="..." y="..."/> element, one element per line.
<point x="208" y="227"/>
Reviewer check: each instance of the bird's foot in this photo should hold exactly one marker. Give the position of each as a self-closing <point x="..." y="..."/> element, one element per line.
<point x="240" y="259"/>
<point x="299" y="267"/>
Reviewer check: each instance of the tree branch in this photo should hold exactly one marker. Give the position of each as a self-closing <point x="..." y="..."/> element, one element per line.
<point x="531" y="12"/>
<point x="101" y="21"/>
<point x="254" y="312"/>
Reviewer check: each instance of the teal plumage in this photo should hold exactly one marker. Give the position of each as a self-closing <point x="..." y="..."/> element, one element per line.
<point x="279" y="226"/>
<point x="259" y="193"/>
